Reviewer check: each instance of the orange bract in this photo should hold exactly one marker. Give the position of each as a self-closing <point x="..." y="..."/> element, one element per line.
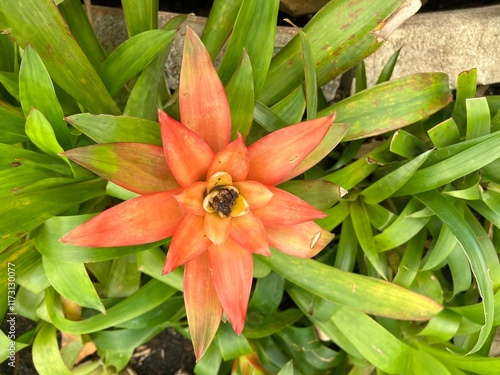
<point x="226" y="207"/>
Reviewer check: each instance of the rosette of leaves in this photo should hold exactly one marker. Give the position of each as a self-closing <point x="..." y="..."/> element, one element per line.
<point x="408" y="282"/>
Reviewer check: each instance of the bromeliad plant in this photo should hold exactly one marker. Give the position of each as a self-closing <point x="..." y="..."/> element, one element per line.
<point x="222" y="205"/>
<point x="132" y="219"/>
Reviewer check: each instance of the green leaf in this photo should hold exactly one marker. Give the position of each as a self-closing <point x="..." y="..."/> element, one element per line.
<point x="124" y="278"/>
<point x="117" y="346"/>
<point x="291" y="108"/>
<point x="348" y="247"/>
<point x="471" y="246"/>
<point x="12" y="120"/>
<point x="392" y="105"/>
<point x="488" y="249"/>
<point x="143" y="100"/>
<point x="164" y="315"/>
<point x="459" y="269"/>
<point x="135" y="166"/>
<point x="310" y="82"/>
<point x="440" y="248"/>
<point x="151" y="263"/>
<point x="11" y="83"/>
<point x="443" y="326"/>
<point x="42" y="205"/>
<point x="319" y="193"/>
<point x="110" y="129"/>
<point x="386" y="73"/>
<point x="133" y="56"/>
<point x="140" y="15"/>
<point x="390" y="183"/>
<point x="15" y="180"/>
<point x="360" y="76"/>
<point x="364" y="234"/>
<point x="444" y="134"/>
<point x="240" y="95"/>
<point x="422" y="363"/>
<point x="260" y="17"/>
<point x="406" y="144"/>
<point x="402" y="229"/>
<point x="350" y="39"/>
<point x="287" y="369"/>
<point x="359" y="292"/>
<point x="72" y="281"/>
<point x="306" y="350"/>
<point x="34" y="278"/>
<point x="354" y="173"/>
<point x="41" y="133"/>
<point x="148" y="297"/>
<point x="466" y="88"/>
<point x="267" y="295"/>
<point x="79" y="24"/>
<point x="410" y="262"/>
<point x="472" y="364"/>
<point x="478" y="117"/>
<point x="65" y="60"/>
<point x="36" y="90"/>
<point x="373" y="341"/>
<point x="271" y="324"/>
<point x="455" y="166"/>
<point x="231" y="345"/>
<point x="267" y="118"/>
<point x="46" y="356"/>
<point x="336" y="215"/>
<point x="220" y="24"/>
<point x="380" y="217"/>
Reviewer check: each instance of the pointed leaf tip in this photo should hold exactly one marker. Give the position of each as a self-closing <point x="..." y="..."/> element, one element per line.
<point x="202" y="99"/>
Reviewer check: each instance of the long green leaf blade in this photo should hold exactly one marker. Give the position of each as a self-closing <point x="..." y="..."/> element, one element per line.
<point x="41" y="205"/>
<point x="472" y="248"/>
<point x="72" y="281"/>
<point x="36" y="90"/>
<point x="133" y="56"/>
<point x="260" y="17"/>
<point x="392" y="105"/>
<point x="454" y="167"/>
<point x="370" y="295"/>
<point x="65" y="60"/>
<point x="349" y="39"/>
<point x="220" y="24"/>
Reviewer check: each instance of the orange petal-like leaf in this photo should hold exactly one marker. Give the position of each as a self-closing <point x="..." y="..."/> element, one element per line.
<point x="232" y="159"/>
<point x="189" y="241"/>
<point x="188" y="156"/>
<point x="232" y="268"/>
<point x="202" y="100"/>
<point x="138" y="167"/>
<point x="203" y="308"/>
<point x="255" y="193"/>
<point x="248" y="232"/>
<point x="140" y="220"/>
<point x="302" y="240"/>
<point x="217" y="228"/>
<point x="332" y="138"/>
<point x="274" y="156"/>
<point x="191" y="198"/>
<point x="286" y="209"/>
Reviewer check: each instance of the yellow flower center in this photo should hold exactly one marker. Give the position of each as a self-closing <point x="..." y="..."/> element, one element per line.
<point x="222" y="197"/>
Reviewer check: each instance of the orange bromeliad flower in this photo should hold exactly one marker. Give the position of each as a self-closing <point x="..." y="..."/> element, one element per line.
<point x="216" y="198"/>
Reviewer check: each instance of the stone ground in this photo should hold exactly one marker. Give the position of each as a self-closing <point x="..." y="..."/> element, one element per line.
<point x="170" y="353"/>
